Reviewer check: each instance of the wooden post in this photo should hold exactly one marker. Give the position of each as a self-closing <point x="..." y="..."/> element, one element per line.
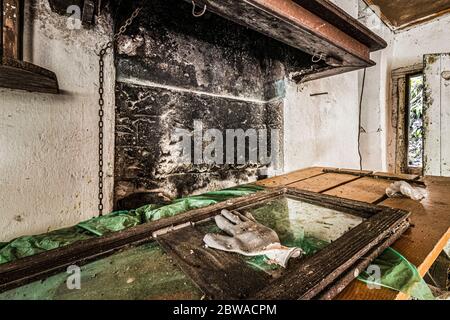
<point x="20" y="28"/>
<point x="1" y="32"/>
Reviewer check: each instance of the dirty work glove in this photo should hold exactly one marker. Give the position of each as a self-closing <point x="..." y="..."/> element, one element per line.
<point x="249" y="238"/>
<point x="404" y="188"/>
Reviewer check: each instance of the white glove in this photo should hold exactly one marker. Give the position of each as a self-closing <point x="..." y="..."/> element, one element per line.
<point x="249" y="238"/>
<point x="406" y="189"/>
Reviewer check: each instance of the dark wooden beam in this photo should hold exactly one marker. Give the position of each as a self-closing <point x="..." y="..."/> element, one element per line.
<point x="342" y="41"/>
<point x="21" y="75"/>
<point x="1" y="30"/>
<point x="88" y="12"/>
<point x="345" y="279"/>
<point x="342" y="20"/>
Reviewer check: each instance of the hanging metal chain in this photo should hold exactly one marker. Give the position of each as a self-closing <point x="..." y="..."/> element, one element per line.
<point x="101" y="103"/>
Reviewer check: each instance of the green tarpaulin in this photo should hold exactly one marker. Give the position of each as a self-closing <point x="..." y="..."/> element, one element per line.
<point x="397" y="273"/>
<point x="116" y="221"/>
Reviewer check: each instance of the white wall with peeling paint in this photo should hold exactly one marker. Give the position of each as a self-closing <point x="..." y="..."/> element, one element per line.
<point x="48" y="143"/>
<point x="412" y="44"/>
<point x="322" y="130"/>
<point x="376" y="97"/>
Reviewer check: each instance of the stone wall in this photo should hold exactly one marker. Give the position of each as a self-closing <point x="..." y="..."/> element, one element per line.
<point x="173" y="69"/>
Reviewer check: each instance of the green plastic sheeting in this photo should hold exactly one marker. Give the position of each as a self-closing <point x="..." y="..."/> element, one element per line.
<point x="145" y="272"/>
<point x="113" y="222"/>
<point x="121" y="220"/>
<point x="30" y="245"/>
<point x="398" y="274"/>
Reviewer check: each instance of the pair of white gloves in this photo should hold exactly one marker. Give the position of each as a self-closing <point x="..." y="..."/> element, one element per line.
<point x="249" y="238"/>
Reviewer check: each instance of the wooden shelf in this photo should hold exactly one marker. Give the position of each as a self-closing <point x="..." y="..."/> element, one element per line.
<point x="316" y="27"/>
<point x="21" y="75"/>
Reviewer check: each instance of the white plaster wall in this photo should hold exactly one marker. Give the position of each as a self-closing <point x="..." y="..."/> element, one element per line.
<point x="323" y="130"/>
<point x="405" y="48"/>
<point x="48" y="143"/>
<point x="376" y="99"/>
<point x="412" y="44"/>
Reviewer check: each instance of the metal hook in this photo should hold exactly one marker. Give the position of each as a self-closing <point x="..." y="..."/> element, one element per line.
<point x="317" y="57"/>
<point x="195" y="14"/>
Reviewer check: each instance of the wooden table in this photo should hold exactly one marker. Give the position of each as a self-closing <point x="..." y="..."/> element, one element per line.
<point x="430" y="218"/>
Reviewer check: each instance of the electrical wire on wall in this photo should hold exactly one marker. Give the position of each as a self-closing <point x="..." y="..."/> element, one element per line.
<point x="360" y="120"/>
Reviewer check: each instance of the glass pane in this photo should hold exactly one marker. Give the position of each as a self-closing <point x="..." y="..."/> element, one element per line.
<point x="415" y="121"/>
<point x="144" y="272"/>
<point x="302" y="224"/>
<point x="11" y="22"/>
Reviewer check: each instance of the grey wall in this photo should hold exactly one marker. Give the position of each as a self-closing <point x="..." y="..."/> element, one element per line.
<point x="173" y="69"/>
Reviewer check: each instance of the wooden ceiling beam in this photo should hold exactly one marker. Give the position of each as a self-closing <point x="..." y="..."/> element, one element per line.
<point x="317" y="28"/>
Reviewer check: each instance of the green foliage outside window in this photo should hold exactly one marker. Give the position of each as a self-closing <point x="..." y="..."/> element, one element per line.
<point x="416" y="129"/>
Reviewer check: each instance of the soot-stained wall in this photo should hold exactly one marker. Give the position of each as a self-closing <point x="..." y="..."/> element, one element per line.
<point x="173" y="69"/>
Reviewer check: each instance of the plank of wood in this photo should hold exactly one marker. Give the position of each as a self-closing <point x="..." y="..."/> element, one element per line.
<point x="335" y="15"/>
<point x="290" y="178"/>
<point x="323" y="182"/>
<point x="368" y="190"/>
<point x="17" y="74"/>
<point x="341" y="283"/>
<point x="220" y="275"/>
<point x="422" y="243"/>
<point x="395" y="176"/>
<point x="348" y="171"/>
<point x="431" y="220"/>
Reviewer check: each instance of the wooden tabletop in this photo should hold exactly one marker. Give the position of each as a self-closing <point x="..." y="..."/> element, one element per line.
<point x="430" y="218"/>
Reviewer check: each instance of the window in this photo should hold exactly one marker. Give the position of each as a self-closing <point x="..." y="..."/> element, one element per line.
<point x="12" y="15"/>
<point x="415" y="123"/>
<point x="405" y="146"/>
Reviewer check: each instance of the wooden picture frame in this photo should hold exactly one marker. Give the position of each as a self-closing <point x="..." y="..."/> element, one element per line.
<point x="321" y="276"/>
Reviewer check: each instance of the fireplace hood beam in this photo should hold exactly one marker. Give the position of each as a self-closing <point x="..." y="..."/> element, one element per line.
<point x="316" y="27"/>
